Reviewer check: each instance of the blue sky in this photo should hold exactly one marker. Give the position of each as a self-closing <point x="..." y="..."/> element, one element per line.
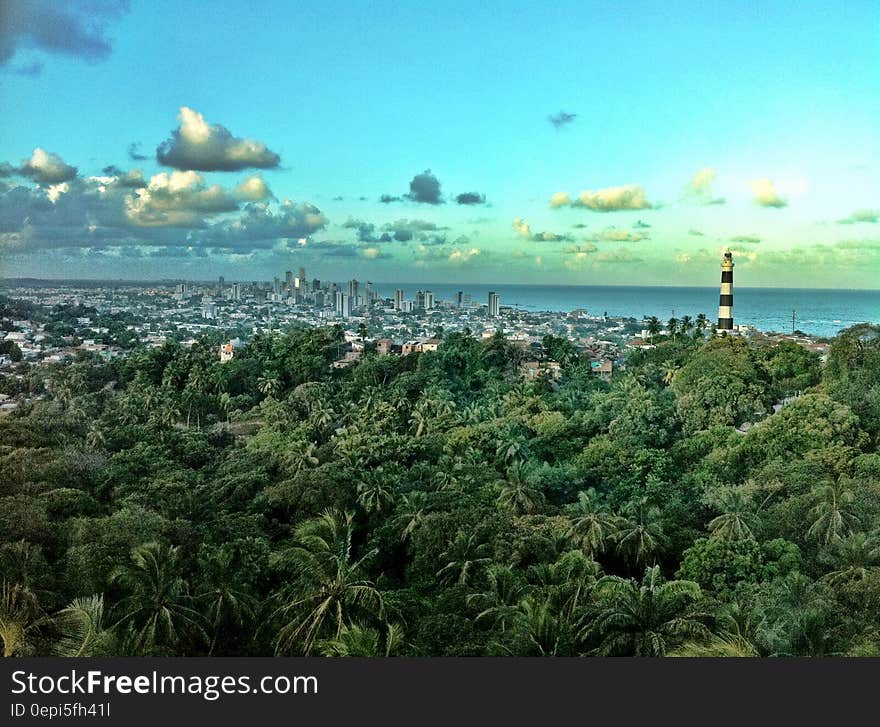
<point x="697" y="127"/>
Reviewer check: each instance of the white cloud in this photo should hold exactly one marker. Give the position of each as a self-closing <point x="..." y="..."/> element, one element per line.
<point x="699" y="188"/>
<point x="201" y="146"/>
<point x="43" y="167"/>
<point x="522" y="227"/>
<point x="610" y="199"/>
<point x="766" y="195"/>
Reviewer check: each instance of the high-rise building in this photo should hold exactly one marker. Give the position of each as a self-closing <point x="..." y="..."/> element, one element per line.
<point x="398" y="299"/>
<point x="420" y="299"/>
<point x="300" y="285"/>
<point x="353" y="291"/>
<point x="494" y="304"/>
<point x="276" y="285"/>
<point x="429" y="299"/>
<point x="343" y="304"/>
<point x="459" y="296"/>
<point x="725" y="302"/>
<point x="221" y="285"/>
<point x="236" y="291"/>
<point x="288" y="281"/>
<point x="316" y="285"/>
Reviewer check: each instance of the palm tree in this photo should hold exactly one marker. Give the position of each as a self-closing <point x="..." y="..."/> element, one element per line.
<point x="446" y="477"/>
<point x="301" y="457"/>
<point x="268" y="385"/>
<point x="672" y="327"/>
<point x="592" y="525"/>
<point x="686" y="324"/>
<point x="737" y="518"/>
<point x="19" y="616"/>
<point x="169" y="415"/>
<point x="95" y="438"/>
<point x="82" y="629"/>
<point x="218" y="379"/>
<point x="726" y="645"/>
<point x="653" y="327"/>
<point x="795" y="616"/>
<point x="640" y="538"/>
<point x="518" y="494"/>
<point x="669" y="371"/>
<point x="512" y="448"/>
<point x="329" y="586"/>
<point x="375" y="493"/>
<point x="464" y="557"/>
<point x="702" y="322"/>
<point x="538" y="624"/>
<point x="471" y="414"/>
<point x="643" y="619"/>
<point x="226" y="404"/>
<point x="498" y="602"/>
<point x="419" y="420"/>
<point x="225" y="602"/>
<point x="568" y="582"/>
<point x="322" y="416"/>
<point x="157" y="606"/>
<point x="410" y="513"/>
<point x="833" y="518"/>
<point x="853" y="558"/>
<point x="362" y="641"/>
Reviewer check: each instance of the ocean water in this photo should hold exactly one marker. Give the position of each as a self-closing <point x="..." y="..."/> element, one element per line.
<point x="819" y="312"/>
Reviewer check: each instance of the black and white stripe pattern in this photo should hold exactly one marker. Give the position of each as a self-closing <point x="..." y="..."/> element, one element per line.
<point x="725" y="303"/>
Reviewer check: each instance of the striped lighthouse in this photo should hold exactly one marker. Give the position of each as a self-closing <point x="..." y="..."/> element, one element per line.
<point x="725" y="303"/>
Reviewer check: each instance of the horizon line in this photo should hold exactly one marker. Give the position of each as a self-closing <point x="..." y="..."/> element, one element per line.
<point x="146" y="281"/>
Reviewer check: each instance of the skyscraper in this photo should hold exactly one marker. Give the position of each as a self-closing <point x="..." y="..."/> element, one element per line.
<point x="288" y="281"/>
<point x="343" y="304"/>
<point x="725" y="303"/>
<point x="494" y="304"/>
<point x="429" y="299"/>
<point x="398" y="299"/>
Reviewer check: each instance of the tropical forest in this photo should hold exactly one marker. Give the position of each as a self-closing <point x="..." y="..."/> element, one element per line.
<point x="714" y="497"/>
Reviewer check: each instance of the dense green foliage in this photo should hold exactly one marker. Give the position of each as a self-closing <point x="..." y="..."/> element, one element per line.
<point x="436" y="504"/>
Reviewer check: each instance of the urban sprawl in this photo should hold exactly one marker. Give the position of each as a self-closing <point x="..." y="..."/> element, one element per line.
<point x="110" y="319"/>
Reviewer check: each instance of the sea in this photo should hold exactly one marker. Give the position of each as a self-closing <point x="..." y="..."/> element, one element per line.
<point x="817" y="312"/>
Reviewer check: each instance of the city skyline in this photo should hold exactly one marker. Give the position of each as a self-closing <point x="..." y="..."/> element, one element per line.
<point x="624" y="154"/>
